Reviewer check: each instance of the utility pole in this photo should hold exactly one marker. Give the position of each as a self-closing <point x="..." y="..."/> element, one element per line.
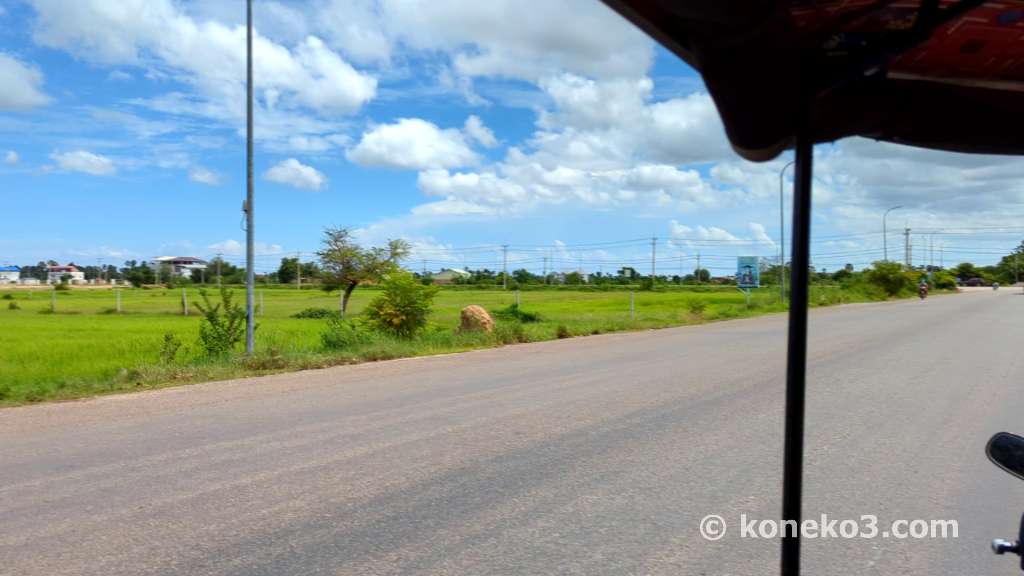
<point x="220" y="257"/>
<point x="698" y="268"/>
<point x="504" y="266"/>
<point x="906" y="247"/>
<point x="298" y="270"/>
<point x="654" y="244"/>
<point x="545" y="269"/>
<point x="250" y="237"/>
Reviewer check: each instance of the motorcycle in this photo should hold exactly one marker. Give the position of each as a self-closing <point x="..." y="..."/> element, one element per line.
<point x="922" y="291"/>
<point x="1006" y="451"/>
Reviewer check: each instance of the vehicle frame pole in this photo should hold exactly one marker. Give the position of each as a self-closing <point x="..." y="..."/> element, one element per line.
<point x="796" y="353"/>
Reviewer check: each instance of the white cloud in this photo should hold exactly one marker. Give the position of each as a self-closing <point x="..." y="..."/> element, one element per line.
<point x="475" y="129"/>
<point x="412" y="143"/>
<point x="204" y="176"/>
<point x="232" y="247"/>
<point x="11" y="158"/>
<point x="208" y="56"/>
<point x="22" y="85"/>
<point x="87" y="162"/>
<point x="294" y="173"/>
<point x="494" y="39"/>
<point x="119" y="76"/>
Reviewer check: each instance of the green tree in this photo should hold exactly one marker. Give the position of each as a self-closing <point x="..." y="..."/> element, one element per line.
<point x="345" y="265"/>
<point x="890" y="277"/>
<point x="287" y="270"/>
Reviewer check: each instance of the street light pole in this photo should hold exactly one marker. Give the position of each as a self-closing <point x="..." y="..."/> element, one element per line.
<point x="782" y="231"/>
<point x="885" y="236"/>
<point x="250" y="270"/>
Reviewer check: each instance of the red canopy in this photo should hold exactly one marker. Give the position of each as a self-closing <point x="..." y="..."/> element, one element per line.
<point x="946" y="74"/>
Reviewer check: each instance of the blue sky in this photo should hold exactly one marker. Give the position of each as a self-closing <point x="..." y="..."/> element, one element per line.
<point x="562" y="132"/>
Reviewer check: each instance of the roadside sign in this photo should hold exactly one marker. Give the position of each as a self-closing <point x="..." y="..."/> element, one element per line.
<point x="748" y="272"/>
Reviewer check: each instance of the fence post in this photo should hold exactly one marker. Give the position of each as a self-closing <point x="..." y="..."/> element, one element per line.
<point x="184" y="303"/>
<point x="53" y="299"/>
<point x="117" y="294"/>
<point x="632" y="308"/>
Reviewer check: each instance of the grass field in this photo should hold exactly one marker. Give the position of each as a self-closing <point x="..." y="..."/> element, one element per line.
<point x="86" y="348"/>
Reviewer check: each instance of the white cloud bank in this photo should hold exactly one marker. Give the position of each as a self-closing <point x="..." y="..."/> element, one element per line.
<point x="86" y="162"/>
<point x="11" y="158"/>
<point x="22" y="85"/>
<point x="204" y="176"/>
<point x="413" y="143"/>
<point x="295" y="173"/>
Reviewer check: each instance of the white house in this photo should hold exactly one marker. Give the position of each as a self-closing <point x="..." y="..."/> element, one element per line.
<point x="56" y="274"/>
<point x="9" y="274"/>
<point x="179" y="265"/>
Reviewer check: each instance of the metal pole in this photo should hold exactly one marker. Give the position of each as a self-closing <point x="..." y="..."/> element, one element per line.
<point x="250" y="264"/>
<point x="631" y="306"/>
<point x="118" y="299"/>
<point x="782" y="232"/>
<point x="796" y="361"/>
<point x="53" y="299"/>
<point x="885" y="236"/>
<point x="504" y="266"/>
<point x="184" y="303"/>
<point x="654" y="243"/>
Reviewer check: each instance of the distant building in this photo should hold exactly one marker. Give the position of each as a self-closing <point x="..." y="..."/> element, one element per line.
<point x="56" y="274"/>
<point x="179" y="265"/>
<point x="450" y="276"/>
<point x="9" y="274"/>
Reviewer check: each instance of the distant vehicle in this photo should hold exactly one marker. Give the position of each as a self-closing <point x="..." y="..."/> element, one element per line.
<point x="995" y="285"/>
<point x="974" y="282"/>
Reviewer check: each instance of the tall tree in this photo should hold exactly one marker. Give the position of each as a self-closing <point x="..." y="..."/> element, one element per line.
<point x="345" y="264"/>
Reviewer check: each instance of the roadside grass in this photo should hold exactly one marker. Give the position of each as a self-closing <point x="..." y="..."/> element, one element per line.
<point x="86" y="348"/>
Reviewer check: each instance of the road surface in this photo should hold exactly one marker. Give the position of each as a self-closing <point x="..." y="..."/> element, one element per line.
<point x="588" y="456"/>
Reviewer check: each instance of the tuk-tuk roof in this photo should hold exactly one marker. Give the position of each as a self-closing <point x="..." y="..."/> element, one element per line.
<point x="943" y="74"/>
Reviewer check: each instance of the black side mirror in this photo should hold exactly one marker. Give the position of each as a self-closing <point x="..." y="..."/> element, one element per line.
<point x="1007" y="451"/>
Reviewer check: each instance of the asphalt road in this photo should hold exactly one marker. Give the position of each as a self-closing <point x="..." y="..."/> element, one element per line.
<point x="589" y="456"/>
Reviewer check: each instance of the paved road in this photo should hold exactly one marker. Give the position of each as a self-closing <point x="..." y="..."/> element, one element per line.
<point x="588" y="456"/>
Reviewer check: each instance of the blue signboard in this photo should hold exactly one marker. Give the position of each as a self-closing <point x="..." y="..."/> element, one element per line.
<point x="748" y="272"/>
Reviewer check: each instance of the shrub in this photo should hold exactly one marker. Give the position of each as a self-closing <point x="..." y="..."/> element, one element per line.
<point x="169" y="348"/>
<point x="8" y="296"/>
<point x="13" y="305"/>
<point x="563" y="331"/>
<point x="889" y="277"/>
<point x="514" y="312"/>
<point x="223" y="324"/>
<point x="402" y="307"/>
<point x="696" y="306"/>
<point x="316" y="313"/>
<point x="943" y="281"/>
<point x="342" y="334"/>
<point x="510" y="333"/>
<point x="62" y="286"/>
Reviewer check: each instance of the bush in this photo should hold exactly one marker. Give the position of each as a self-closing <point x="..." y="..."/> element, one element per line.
<point x="889" y="276"/>
<point x="514" y="312"/>
<point x="342" y="334"/>
<point x="510" y="333"/>
<point x="403" y="306"/>
<point x="696" y="306"/>
<point x="223" y="324"/>
<point x="316" y="313"/>
<point x="62" y="286"/>
<point x="8" y="296"/>
<point x="169" y="348"/>
<point x="563" y="331"/>
<point x="943" y="281"/>
<point x="13" y="306"/>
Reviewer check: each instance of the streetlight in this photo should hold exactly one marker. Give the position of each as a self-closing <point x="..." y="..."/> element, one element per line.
<point x="782" y="231"/>
<point x="250" y="266"/>
<point x="885" y="236"/>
